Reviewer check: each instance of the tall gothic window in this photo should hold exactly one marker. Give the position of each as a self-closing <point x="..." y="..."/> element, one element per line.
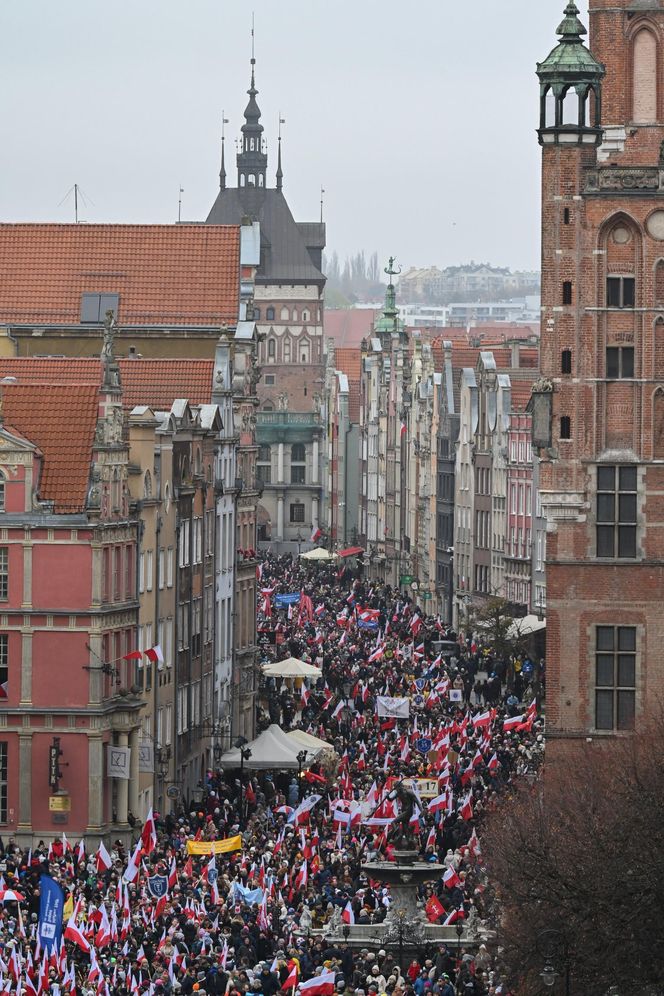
<point x="644" y="79"/>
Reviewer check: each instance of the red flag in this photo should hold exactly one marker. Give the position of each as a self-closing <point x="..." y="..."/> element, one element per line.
<point x="434" y="909"/>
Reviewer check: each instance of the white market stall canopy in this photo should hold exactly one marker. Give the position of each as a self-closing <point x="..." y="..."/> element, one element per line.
<point x="320" y="553"/>
<point x="309" y="742"/>
<point x="526" y="626"/>
<point x="291" y="668"/>
<point x="272" y="749"/>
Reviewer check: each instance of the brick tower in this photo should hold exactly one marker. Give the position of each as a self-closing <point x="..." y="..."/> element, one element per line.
<point x="598" y="412"/>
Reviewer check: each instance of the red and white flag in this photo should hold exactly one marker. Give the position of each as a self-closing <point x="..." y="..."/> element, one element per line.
<point x="320" y="985"/>
<point x="512" y="722"/>
<point x="149" y="833"/>
<point x="348" y="916"/>
<point x="102" y="858"/>
<point x="155" y="654"/>
<point x="450" y="878"/>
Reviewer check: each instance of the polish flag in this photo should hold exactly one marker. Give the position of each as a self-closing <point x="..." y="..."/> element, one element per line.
<point x="532" y="708"/>
<point x="466" y="808"/>
<point x="450" y="878"/>
<point x="315" y="535"/>
<point x="80" y="851"/>
<point x="291" y="981"/>
<point x="320" y="985"/>
<point x="494" y="762"/>
<point x="513" y="722"/>
<point x="103" y="935"/>
<point x="304" y="696"/>
<point x="403" y="430"/>
<point x="134" y="655"/>
<point x="172" y="874"/>
<point x="102" y="858"/>
<point x="131" y="871"/>
<point x="149" y="833"/>
<point x="453" y="917"/>
<point x="375" y="656"/>
<point x="155" y="654"/>
<point x="438" y="804"/>
<point x="369" y="615"/>
<point x="302" y="876"/>
<point x="431" y="839"/>
<point x="477" y="760"/>
<point x="482" y="719"/>
<point x="74" y="933"/>
<point x="415" y="624"/>
<point x="348" y="916"/>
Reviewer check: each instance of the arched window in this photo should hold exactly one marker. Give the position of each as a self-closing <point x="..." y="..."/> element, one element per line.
<point x="270" y="349"/>
<point x="298" y="453"/>
<point x="644" y="79"/>
<point x="284" y="314"/>
<point x="294" y="315"/>
<point x="251" y="180"/>
<point x="659" y="349"/>
<point x="251" y="144"/>
<point x="658" y="425"/>
<point x="242" y="179"/>
<point x="257" y="314"/>
<point x="260" y="179"/>
<point x="287" y="349"/>
<point x="659" y="283"/>
<point x="305" y="315"/>
<point x="2" y="492"/>
<point x="570" y="103"/>
<point x="549" y="109"/>
<point x="269" y="314"/>
<point x="303" y="350"/>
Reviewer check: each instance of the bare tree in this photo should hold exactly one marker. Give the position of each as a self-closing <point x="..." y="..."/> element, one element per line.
<point x="582" y="853"/>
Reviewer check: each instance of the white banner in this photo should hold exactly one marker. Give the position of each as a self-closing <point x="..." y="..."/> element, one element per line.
<point x="392" y="708"/>
<point x="118" y="761"/>
<point x="146" y="757"/>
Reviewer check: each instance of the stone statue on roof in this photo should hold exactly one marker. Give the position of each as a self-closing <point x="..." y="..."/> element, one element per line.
<point x="110" y="327"/>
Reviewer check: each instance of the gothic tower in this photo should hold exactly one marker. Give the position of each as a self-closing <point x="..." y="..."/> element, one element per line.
<point x="598" y="411"/>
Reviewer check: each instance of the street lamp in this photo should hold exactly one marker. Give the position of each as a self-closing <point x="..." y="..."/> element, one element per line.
<point x="552" y="945"/>
<point x="245" y="754"/>
<point x="459" y="932"/>
<point x="298" y="538"/>
<point x="301" y="760"/>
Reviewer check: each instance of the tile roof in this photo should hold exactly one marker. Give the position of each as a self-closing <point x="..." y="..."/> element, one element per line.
<point x="520" y="395"/>
<point x="60" y="420"/>
<point x="173" y="275"/>
<point x="349" y="326"/>
<point x="349" y="361"/>
<point x="156" y="383"/>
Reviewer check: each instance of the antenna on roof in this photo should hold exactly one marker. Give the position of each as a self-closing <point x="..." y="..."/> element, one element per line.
<point x="322" y="192"/>
<point x="180" y="205"/>
<point x="76" y="191"/>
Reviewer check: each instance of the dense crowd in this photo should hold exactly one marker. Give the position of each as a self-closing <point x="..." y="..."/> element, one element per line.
<point x="270" y="914"/>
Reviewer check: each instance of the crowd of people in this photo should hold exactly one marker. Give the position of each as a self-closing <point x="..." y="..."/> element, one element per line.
<point x="401" y="697"/>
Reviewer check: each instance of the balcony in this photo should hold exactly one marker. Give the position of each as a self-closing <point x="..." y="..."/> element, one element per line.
<point x="287" y="426"/>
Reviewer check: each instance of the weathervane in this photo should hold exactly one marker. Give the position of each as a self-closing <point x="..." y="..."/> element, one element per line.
<point x="389" y="269"/>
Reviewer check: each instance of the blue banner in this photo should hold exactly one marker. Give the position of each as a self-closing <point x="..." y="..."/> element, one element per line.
<point x="51" y="909"/>
<point x="372" y="624"/>
<point x="281" y="601"/>
<point x="249" y="896"/>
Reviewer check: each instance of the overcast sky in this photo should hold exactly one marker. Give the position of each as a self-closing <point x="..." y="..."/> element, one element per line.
<point x="417" y="118"/>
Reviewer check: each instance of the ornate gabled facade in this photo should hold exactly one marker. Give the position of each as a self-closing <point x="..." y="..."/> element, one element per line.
<point x="598" y="413"/>
<point x="384" y="403"/>
<point x="68" y="609"/>
<point x="288" y="311"/>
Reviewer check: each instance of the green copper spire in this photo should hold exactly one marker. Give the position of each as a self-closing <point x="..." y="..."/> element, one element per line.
<point x="570" y="60"/>
<point x="389" y="320"/>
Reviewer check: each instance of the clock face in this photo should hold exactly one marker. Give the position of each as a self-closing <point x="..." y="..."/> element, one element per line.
<point x="655" y="225"/>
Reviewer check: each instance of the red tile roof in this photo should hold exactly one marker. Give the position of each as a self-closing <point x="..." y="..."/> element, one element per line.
<point x="156" y="383"/>
<point x="349" y="361"/>
<point x="173" y="275"/>
<point x="521" y="391"/>
<point x="61" y="421"/>
<point x="349" y="326"/>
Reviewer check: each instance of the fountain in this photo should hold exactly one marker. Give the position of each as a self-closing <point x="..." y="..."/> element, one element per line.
<point x="406" y="925"/>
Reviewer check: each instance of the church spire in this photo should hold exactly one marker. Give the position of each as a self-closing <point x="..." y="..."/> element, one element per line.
<point x="280" y="172"/>
<point x="251" y="160"/>
<point x="222" y="171"/>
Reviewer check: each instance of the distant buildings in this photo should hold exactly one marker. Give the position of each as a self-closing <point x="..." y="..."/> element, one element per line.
<point x="447" y="485"/>
<point x="476" y="281"/>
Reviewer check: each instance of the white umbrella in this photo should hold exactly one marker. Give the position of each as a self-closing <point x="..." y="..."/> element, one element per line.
<point x="320" y="553"/>
<point x="291" y="668"/>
